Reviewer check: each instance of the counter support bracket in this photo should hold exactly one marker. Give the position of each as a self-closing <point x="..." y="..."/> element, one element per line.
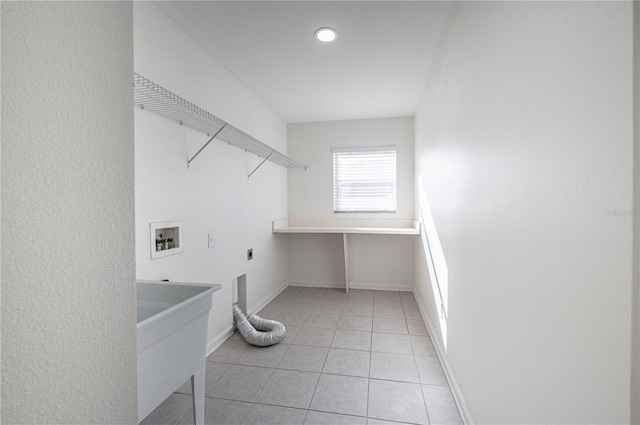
<point x="347" y="262"/>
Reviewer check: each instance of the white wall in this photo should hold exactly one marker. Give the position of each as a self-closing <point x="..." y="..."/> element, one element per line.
<point x="524" y="151"/>
<point x="311" y="191"/>
<point x="68" y="266"/>
<point x="635" y="353"/>
<point x="214" y="195"/>
<point x="384" y="262"/>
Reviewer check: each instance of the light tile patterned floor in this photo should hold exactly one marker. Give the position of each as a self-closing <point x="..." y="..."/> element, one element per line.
<point x="361" y="359"/>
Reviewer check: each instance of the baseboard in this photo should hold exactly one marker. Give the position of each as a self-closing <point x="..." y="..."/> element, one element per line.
<point x="381" y="286"/>
<point x="354" y="285"/>
<point x="446" y="367"/>
<point x="267" y="299"/>
<point x="315" y="284"/>
<point x="219" y="339"/>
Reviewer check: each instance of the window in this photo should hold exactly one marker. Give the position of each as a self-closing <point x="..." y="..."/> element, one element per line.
<point x="364" y="179"/>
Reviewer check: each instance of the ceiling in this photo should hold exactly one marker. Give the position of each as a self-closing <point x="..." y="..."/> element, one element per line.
<point x="377" y="67"/>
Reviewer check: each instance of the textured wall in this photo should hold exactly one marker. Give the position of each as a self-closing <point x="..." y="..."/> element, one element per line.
<point x="524" y="155"/>
<point x="68" y="294"/>
<point x="635" y="378"/>
<point x="214" y="194"/>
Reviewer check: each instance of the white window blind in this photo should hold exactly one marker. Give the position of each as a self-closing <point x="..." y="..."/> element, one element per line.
<point x="364" y="179"/>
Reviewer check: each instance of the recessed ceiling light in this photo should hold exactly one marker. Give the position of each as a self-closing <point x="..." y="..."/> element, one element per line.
<point x="326" y="34"/>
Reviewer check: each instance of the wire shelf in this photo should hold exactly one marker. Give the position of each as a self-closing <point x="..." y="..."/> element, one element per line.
<point x="152" y="97"/>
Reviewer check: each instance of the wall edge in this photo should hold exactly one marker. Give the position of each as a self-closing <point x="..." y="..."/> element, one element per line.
<point x="446" y="367"/>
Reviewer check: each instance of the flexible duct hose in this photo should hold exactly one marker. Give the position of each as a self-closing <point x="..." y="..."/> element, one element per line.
<point x="258" y="331"/>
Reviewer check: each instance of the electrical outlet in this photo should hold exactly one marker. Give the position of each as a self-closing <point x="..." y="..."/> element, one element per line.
<point x="249" y="254"/>
<point x="212" y="241"/>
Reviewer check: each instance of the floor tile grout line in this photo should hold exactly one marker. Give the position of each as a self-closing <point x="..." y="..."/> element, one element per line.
<point x="424" y="401"/>
<point x="342" y="306"/>
<point x="253" y="402"/>
<point x="246" y="413"/>
<point x="315" y="389"/>
<point x="319" y="376"/>
<point x="334" y="413"/>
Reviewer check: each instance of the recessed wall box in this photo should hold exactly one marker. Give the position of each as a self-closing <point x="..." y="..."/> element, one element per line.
<point x="165" y="238"/>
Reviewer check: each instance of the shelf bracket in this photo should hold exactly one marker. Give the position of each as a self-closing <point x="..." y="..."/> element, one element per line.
<point x="259" y="165"/>
<point x="206" y="144"/>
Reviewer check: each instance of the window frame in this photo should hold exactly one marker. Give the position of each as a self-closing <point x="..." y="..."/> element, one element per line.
<point x="365" y="209"/>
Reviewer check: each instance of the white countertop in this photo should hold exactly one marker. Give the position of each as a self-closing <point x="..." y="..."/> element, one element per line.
<point x="371" y="227"/>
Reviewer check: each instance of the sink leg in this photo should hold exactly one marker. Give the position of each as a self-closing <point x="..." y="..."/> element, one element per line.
<point x="197" y="389"/>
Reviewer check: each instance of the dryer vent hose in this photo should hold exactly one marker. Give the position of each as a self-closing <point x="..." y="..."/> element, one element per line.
<point x="258" y="331"/>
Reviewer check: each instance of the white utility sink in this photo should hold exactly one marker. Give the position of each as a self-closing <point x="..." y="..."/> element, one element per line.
<point x="172" y="342"/>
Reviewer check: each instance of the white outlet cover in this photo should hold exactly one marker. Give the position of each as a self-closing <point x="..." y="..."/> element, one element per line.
<point x="212" y="241"/>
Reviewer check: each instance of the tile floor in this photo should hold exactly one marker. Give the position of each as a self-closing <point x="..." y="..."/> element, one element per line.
<point x="365" y="358"/>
